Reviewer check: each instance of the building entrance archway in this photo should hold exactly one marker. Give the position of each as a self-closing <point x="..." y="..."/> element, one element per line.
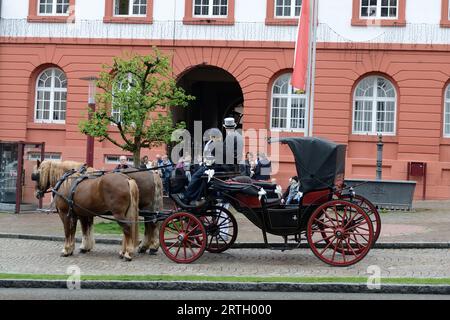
<point x="218" y="95"/>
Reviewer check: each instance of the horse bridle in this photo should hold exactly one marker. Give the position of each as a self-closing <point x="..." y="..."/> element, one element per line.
<point x="36" y="176"/>
<point x="41" y="191"/>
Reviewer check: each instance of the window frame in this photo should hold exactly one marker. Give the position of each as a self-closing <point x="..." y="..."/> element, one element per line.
<point x="378" y="11"/>
<point x="292" y="16"/>
<point x="130" y="10"/>
<point x="108" y="161"/>
<point x="52" y="98"/>
<point x="35" y="16"/>
<point x="273" y="20"/>
<point x="289" y="96"/>
<point x="54" y="5"/>
<point x="374" y="99"/>
<point x="446" y="110"/>
<point x="111" y="17"/>
<point x="33" y="156"/>
<point x="210" y="10"/>
<point x="191" y="19"/>
<point x="358" y="20"/>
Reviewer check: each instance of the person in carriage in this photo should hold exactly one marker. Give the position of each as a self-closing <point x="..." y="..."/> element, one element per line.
<point x="223" y="157"/>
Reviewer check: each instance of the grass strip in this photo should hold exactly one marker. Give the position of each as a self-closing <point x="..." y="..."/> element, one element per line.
<point x="363" y="280"/>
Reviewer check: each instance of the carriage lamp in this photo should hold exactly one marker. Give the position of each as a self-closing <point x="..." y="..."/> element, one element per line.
<point x="91" y="104"/>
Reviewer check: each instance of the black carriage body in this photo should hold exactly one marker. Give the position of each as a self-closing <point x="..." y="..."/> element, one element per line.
<point x="267" y="213"/>
<point x="320" y="167"/>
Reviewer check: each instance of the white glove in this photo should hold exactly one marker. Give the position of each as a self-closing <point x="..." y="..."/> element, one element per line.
<point x="210" y="174"/>
<point x="261" y="193"/>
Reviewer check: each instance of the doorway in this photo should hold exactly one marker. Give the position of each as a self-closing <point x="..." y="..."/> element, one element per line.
<point x="218" y="95"/>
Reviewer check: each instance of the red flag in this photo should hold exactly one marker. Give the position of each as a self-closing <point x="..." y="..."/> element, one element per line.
<point x="302" y="49"/>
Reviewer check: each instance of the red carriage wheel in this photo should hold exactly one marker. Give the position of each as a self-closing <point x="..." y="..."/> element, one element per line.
<point x="340" y="233"/>
<point x="370" y="209"/>
<point x="221" y="229"/>
<point x="183" y="237"/>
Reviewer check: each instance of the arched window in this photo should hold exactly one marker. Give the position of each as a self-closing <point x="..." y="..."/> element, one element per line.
<point x="51" y="96"/>
<point x="288" y="110"/>
<point x="447" y="112"/>
<point x="121" y="94"/>
<point x="374" y="106"/>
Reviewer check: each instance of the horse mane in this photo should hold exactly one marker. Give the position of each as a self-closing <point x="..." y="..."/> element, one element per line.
<point x="52" y="171"/>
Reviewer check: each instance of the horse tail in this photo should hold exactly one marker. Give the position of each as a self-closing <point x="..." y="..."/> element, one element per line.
<point x="158" y="203"/>
<point x="133" y="210"/>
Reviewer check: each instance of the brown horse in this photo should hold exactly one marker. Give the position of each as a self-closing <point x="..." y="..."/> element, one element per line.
<point x="112" y="193"/>
<point x="150" y="199"/>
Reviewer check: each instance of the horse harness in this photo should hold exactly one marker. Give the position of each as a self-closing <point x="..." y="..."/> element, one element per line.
<point x="73" y="187"/>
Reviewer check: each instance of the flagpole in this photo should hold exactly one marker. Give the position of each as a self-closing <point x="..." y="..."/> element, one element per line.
<point x="312" y="65"/>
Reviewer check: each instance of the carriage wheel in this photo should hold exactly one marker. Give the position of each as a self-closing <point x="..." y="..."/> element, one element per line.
<point x="370" y="209"/>
<point x="183" y="237"/>
<point x="221" y="228"/>
<point x="340" y="233"/>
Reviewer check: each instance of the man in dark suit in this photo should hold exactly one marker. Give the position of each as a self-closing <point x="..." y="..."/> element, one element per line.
<point x="233" y="147"/>
<point x="263" y="167"/>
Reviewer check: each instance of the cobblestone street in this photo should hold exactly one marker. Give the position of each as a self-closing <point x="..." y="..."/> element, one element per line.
<point x="29" y="256"/>
<point x="429" y="222"/>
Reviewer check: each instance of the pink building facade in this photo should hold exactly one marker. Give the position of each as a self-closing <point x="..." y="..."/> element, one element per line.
<point x="379" y="69"/>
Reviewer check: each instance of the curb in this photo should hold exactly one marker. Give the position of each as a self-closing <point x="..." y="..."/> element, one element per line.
<point x="232" y="286"/>
<point x="244" y="245"/>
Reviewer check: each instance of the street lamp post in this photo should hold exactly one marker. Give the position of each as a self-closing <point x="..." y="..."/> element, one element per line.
<point x="91" y="104"/>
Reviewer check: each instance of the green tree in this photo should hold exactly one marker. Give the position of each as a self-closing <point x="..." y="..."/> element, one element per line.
<point x="137" y="94"/>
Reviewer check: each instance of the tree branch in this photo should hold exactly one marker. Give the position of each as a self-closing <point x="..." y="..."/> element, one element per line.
<point x="122" y="134"/>
<point x="115" y="142"/>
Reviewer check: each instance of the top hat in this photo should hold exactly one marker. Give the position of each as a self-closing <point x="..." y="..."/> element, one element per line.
<point x="229" y="123"/>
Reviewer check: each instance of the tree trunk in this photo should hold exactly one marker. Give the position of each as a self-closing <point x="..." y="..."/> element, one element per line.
<point x="137" y="153"/>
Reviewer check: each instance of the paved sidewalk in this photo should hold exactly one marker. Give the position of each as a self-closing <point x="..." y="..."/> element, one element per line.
<point x="429" y="222"/>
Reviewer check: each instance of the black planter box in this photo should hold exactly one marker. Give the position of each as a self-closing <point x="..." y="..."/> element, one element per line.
<point x="386" y="194"/>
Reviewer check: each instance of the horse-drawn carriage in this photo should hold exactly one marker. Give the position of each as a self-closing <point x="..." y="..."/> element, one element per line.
<point x="339" y="226"/>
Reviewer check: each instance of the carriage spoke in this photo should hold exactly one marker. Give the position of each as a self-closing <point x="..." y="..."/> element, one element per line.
<point x="194" y="243"/>
<point x="322" y="231"/>
<point x="187" y="227"/>
<point x="360" y="234"/>
<point x="349" y="246"/>
<point x="357" y="243"/>
<point x="224" y="221"/>
<point x="343" y="251"/>
<point x="356" y="225"/>
<point x="187" y="234"/>
<point x="190" y="248"/>
<point x="178" y="250"/>
<point x="173" y="245"/>
<point x="323" y="223"/>
<point x="324" y="239"/>
<point x="351" y="219"/>
<point x="327" y="246"/>
<point x="335" y="249"/>
<point x="329" y="218"/>
<point x="175" y="224"/>
<point x="172" y="230"/>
